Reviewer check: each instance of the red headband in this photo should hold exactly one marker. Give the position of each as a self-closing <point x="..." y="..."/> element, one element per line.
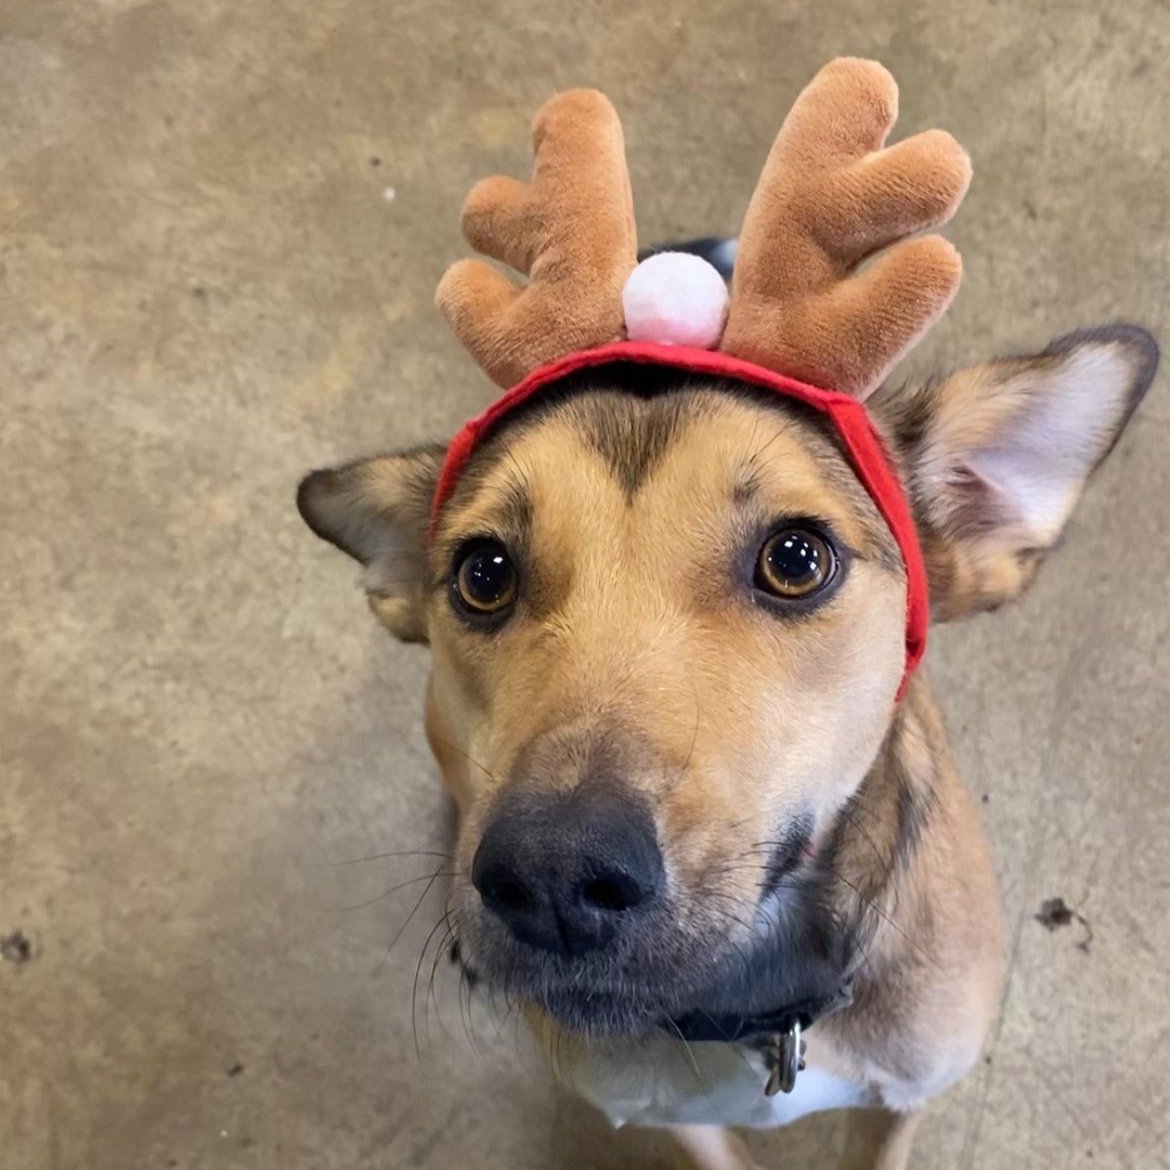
<point x="849" y="418"/>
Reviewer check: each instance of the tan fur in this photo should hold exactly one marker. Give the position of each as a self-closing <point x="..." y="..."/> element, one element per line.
<point x="878" y="1140"/>
<point x="712" y="1148"/>
<point x="929" y="990"/>
<point x="636" y="634"/>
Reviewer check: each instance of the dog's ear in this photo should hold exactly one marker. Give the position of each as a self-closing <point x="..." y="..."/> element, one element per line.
<point x="378" y="511"/>
<point x="996" y="456"/>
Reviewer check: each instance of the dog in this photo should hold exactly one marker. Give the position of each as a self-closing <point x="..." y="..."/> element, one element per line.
<point x="698" y="839"/>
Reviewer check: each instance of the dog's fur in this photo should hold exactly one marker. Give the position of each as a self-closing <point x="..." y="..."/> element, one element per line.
<point x="803" y="816"/>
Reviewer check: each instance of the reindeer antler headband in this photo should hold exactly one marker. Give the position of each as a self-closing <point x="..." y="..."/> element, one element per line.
<point x="832" y="283"/>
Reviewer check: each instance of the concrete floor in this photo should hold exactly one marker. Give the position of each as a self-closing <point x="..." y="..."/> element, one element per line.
<point x="221" y="224"/>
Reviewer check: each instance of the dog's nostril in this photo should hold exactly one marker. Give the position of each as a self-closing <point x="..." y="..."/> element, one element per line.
<point x="613" y="893"/>
<point x="507" y="894"/>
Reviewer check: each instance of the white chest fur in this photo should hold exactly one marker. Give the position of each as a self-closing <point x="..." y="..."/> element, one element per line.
<point x="666" y="1083"/>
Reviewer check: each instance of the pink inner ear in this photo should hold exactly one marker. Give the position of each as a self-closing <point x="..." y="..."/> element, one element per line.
<point x="1067" y="418"/>
<point x="1027" y="494"/>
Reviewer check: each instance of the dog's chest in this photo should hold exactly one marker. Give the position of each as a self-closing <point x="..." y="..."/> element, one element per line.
<point x="667" y="1083"/>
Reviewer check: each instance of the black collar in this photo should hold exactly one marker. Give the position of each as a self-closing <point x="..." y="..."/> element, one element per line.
<point x="730" y="1027"/>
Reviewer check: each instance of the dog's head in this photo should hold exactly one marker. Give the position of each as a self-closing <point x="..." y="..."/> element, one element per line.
<point x="666" y="624"/>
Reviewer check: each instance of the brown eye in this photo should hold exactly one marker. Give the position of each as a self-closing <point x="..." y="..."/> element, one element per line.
<point x="485" y="579"/>
<point x="795" y="563"/>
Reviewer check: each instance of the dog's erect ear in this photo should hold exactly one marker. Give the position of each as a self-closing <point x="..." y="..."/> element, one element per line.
<point x="996" y="456"/>
<point x="378" y="511"/>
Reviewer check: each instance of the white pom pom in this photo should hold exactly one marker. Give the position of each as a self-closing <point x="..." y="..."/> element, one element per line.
<point x="675" y="298"/>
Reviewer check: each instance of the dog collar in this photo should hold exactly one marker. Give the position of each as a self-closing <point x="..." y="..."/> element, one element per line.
<point x="778" y="1034"/>
<point x="735" y="1028"/>
<point x="859" y="438"/>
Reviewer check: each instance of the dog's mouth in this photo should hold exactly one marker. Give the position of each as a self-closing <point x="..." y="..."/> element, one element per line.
<point x="797" y="964"/>
<point x="598" y="1002"/>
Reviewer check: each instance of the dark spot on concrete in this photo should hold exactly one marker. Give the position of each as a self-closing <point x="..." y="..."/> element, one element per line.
<point x="375" y="161"/>
<point x="1030" y="209"/>
<point x="985" y="799"/>
<point x="199" y="293"/>
<point x="15" y="948"/>
<point x="1056" y="912"/>
<point x="235" y="1069"/>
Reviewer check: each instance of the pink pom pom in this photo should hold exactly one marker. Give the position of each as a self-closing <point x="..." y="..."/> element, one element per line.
<point x="675" y="298"/>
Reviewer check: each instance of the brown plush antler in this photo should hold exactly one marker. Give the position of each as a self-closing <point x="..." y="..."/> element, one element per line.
<point x="828" y="199"/>
<point x="571" y="231"/>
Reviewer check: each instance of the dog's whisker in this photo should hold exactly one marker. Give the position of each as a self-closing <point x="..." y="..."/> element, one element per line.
<point x="922" y="952"/>
<point x="883" y="861"/>
<point x="393" y="854"/>
<point x="426" y="877"/>
<point x="469" y="758"/>
<point x="694" y="737"/>
<point x="755" y="456"/>
<point x="465" y="1010"/>
<point x="410" y="917"/>
<point x="431" y="996"/>
<point x="727" y="915"/>
<point x="414" y="985"/>
<point x="687" y="1049"/>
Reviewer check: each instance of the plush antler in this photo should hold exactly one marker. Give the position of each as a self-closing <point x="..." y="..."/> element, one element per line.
<point x="803" y="300"/>
<point x="571" y="231"/>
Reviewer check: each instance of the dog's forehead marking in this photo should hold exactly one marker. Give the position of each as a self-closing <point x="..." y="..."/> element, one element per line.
<point x="607" y="459"/>
<point x="633" y="436"/>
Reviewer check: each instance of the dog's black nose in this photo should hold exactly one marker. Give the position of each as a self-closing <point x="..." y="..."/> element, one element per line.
<point x="567" y="872"/>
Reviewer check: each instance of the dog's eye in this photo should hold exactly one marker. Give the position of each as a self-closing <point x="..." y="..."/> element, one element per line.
<point x="794" y="563"/>
<point x="485" y="579"/>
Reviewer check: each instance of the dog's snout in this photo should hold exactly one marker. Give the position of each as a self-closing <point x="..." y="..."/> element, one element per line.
<point x="568" y="872"/>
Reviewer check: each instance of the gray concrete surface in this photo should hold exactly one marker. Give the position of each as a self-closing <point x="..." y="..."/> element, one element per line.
<point x="207" y="289"/>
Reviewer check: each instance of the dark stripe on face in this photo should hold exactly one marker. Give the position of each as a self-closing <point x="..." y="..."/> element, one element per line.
<point x="513" y="510"/>
<point x="507" y="519"/>
<point x="917" y="798"/>
<point x="631" y="434"/>
<point x="787" y="853"/>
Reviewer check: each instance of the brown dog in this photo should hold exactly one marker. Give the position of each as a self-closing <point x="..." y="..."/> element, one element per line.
<point x="667" y="626"/>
